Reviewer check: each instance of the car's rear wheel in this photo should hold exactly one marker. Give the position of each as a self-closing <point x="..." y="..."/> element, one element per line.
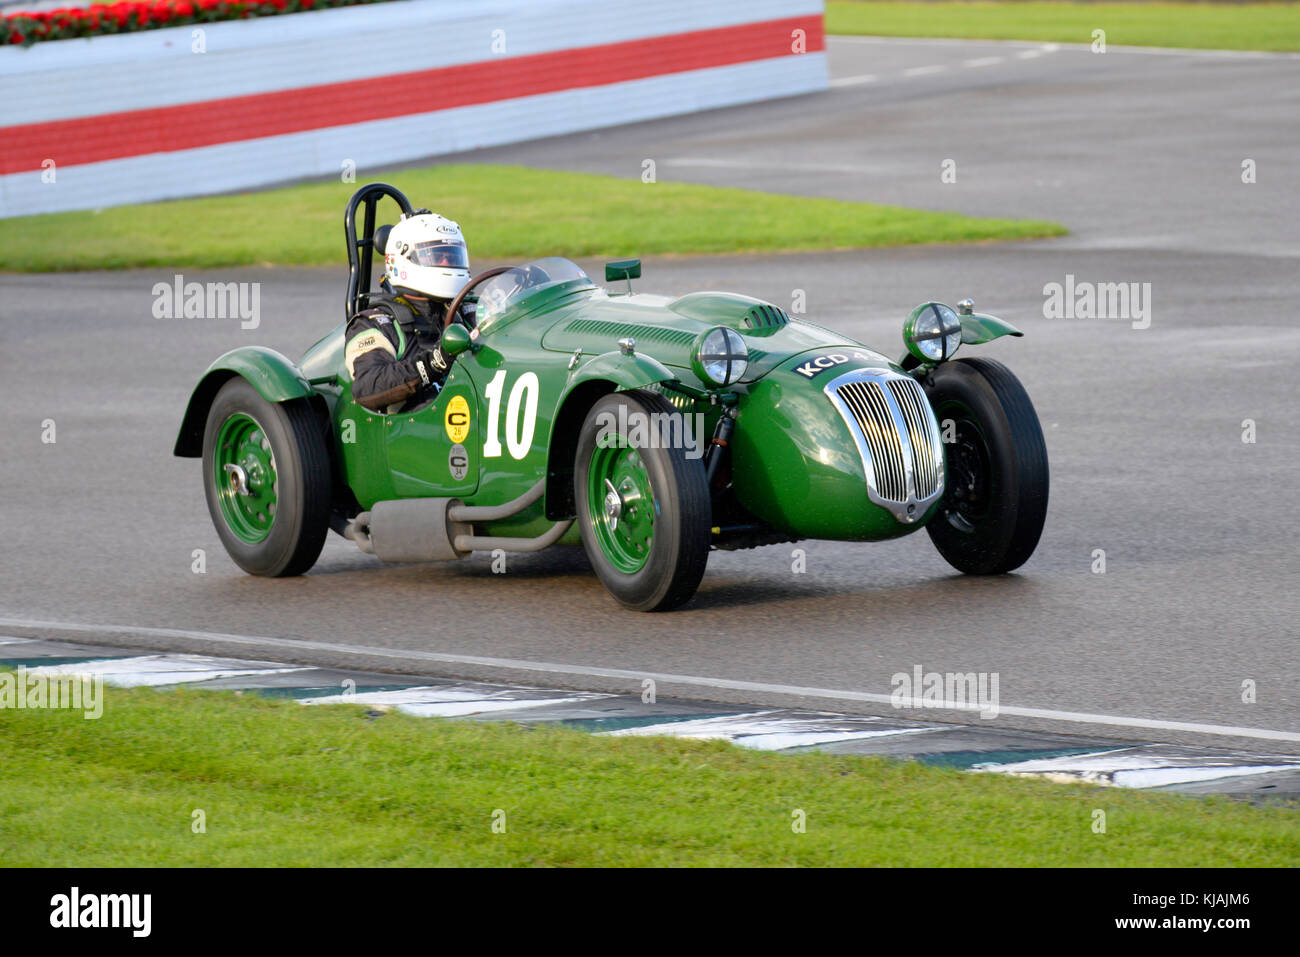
<point x="266" y="474"/>
<point x="643" y="509"/>
<point x="995" y="495"/>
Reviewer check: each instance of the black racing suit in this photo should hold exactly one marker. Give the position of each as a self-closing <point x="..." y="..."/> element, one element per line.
<point x="393" y="354"/>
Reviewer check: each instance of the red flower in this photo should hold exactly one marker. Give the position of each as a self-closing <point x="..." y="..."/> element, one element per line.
<point x="124" y="16"/>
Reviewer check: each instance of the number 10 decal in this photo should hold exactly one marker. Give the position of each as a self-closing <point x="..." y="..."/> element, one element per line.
<point x="518" y="440"/>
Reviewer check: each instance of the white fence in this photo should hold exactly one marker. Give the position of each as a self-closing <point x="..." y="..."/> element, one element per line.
<point x="190" y="110"/>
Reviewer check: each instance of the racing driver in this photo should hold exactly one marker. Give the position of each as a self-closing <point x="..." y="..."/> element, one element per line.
<point x="393" y="350"/>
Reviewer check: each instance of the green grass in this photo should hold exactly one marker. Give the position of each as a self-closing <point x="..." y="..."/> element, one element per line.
<point x="281" y="784"/>
<point x="1231" y="26"/>
<point x="507" y="212"/>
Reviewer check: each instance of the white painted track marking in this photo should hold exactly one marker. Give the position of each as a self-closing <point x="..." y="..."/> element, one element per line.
<point x="456" y="701"/>
<point x="155" y="670"/>
<point x="914" y="706"/>
<point x="772" y="730"/>
<point x="854" y="80"/>
<point x="1150" y="766"/>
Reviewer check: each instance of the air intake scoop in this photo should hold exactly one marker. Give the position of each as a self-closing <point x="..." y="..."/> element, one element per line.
<point x="728" y="309"/>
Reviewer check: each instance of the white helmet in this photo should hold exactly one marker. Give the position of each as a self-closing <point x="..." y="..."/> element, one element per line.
<point x="426" y="254"/>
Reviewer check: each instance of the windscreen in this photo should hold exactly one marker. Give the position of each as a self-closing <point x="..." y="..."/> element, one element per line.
<point x="500" y="294"/>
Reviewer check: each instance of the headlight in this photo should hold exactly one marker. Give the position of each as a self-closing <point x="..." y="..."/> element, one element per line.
<point x="720" y="356"/>
<point x="932" y="332"/>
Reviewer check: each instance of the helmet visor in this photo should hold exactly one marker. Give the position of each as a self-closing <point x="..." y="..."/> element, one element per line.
<point x="440" y="253"/>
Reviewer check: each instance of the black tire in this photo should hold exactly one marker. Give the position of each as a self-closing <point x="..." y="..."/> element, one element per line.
<point x="679" y="547"/>
<point x="995" y="495"/>
<point x="300" y="452"/>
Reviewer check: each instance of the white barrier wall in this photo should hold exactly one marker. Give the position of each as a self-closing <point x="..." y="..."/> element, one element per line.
<point x="98" y="122"/>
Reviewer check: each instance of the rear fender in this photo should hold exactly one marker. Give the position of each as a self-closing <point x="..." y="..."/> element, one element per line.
<point x="275" y="378"/>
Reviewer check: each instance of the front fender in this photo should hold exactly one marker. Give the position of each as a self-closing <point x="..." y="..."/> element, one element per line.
<point x="275" y="378"/>
<point x="626" y="371"/>
<point x="977" y="328"/>
<point x="608" y="372"/>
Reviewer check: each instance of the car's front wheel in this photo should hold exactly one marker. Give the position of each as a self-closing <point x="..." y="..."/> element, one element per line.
<point x="995" y="496"/>
<point x="266" y="474"/>
<point x="643" y="505"/>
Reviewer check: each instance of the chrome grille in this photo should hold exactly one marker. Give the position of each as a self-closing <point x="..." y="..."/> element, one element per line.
<point x="926" y="459"/>
<point x="867" y="402"/>
<point x="897" y="437"/>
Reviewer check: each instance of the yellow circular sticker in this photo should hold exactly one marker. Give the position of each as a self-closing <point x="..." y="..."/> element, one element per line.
<point x="457" y="419"/>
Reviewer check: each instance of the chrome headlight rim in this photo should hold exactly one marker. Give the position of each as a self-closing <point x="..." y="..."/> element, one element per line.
<point x="719" y="357"/>
<point x="932" y="332"/>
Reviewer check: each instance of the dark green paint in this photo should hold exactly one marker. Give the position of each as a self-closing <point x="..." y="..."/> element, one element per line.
<point x="794" y="463"/>
<point x="622" y="269"/>
<point x="274" y="376"/>
<point x="977" y="328"/>
<point x="455" y="339"/>
<point x="624" y="539"/>
<point x="241" y="442"/>
<point x="626" y="372"/>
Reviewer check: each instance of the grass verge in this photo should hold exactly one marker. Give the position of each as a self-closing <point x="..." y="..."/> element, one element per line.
<point x="1230" y="26"/>
<point x="507" y="212"/>
<point x="281" y="784"/>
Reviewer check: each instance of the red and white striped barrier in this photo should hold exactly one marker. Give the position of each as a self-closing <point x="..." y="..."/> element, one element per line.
<point x="99" y="122"/>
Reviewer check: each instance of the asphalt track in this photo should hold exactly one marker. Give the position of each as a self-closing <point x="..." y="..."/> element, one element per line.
<point x="1139" y="153"/>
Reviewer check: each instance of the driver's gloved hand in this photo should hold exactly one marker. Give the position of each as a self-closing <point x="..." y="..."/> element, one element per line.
<point x="432" y="365"/>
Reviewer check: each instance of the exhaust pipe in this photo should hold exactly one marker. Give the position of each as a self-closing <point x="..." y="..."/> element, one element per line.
<point x="441" y="529"/>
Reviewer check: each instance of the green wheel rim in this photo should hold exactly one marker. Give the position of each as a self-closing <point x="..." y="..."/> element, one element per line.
<point x="622" y="505"/>
<point x="245" y="479"/>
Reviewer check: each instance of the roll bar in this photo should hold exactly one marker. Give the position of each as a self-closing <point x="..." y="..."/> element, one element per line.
<point x="361" y="249"/>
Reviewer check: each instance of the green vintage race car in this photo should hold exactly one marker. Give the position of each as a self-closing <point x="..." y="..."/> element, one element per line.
<point x="652" y="429"/>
